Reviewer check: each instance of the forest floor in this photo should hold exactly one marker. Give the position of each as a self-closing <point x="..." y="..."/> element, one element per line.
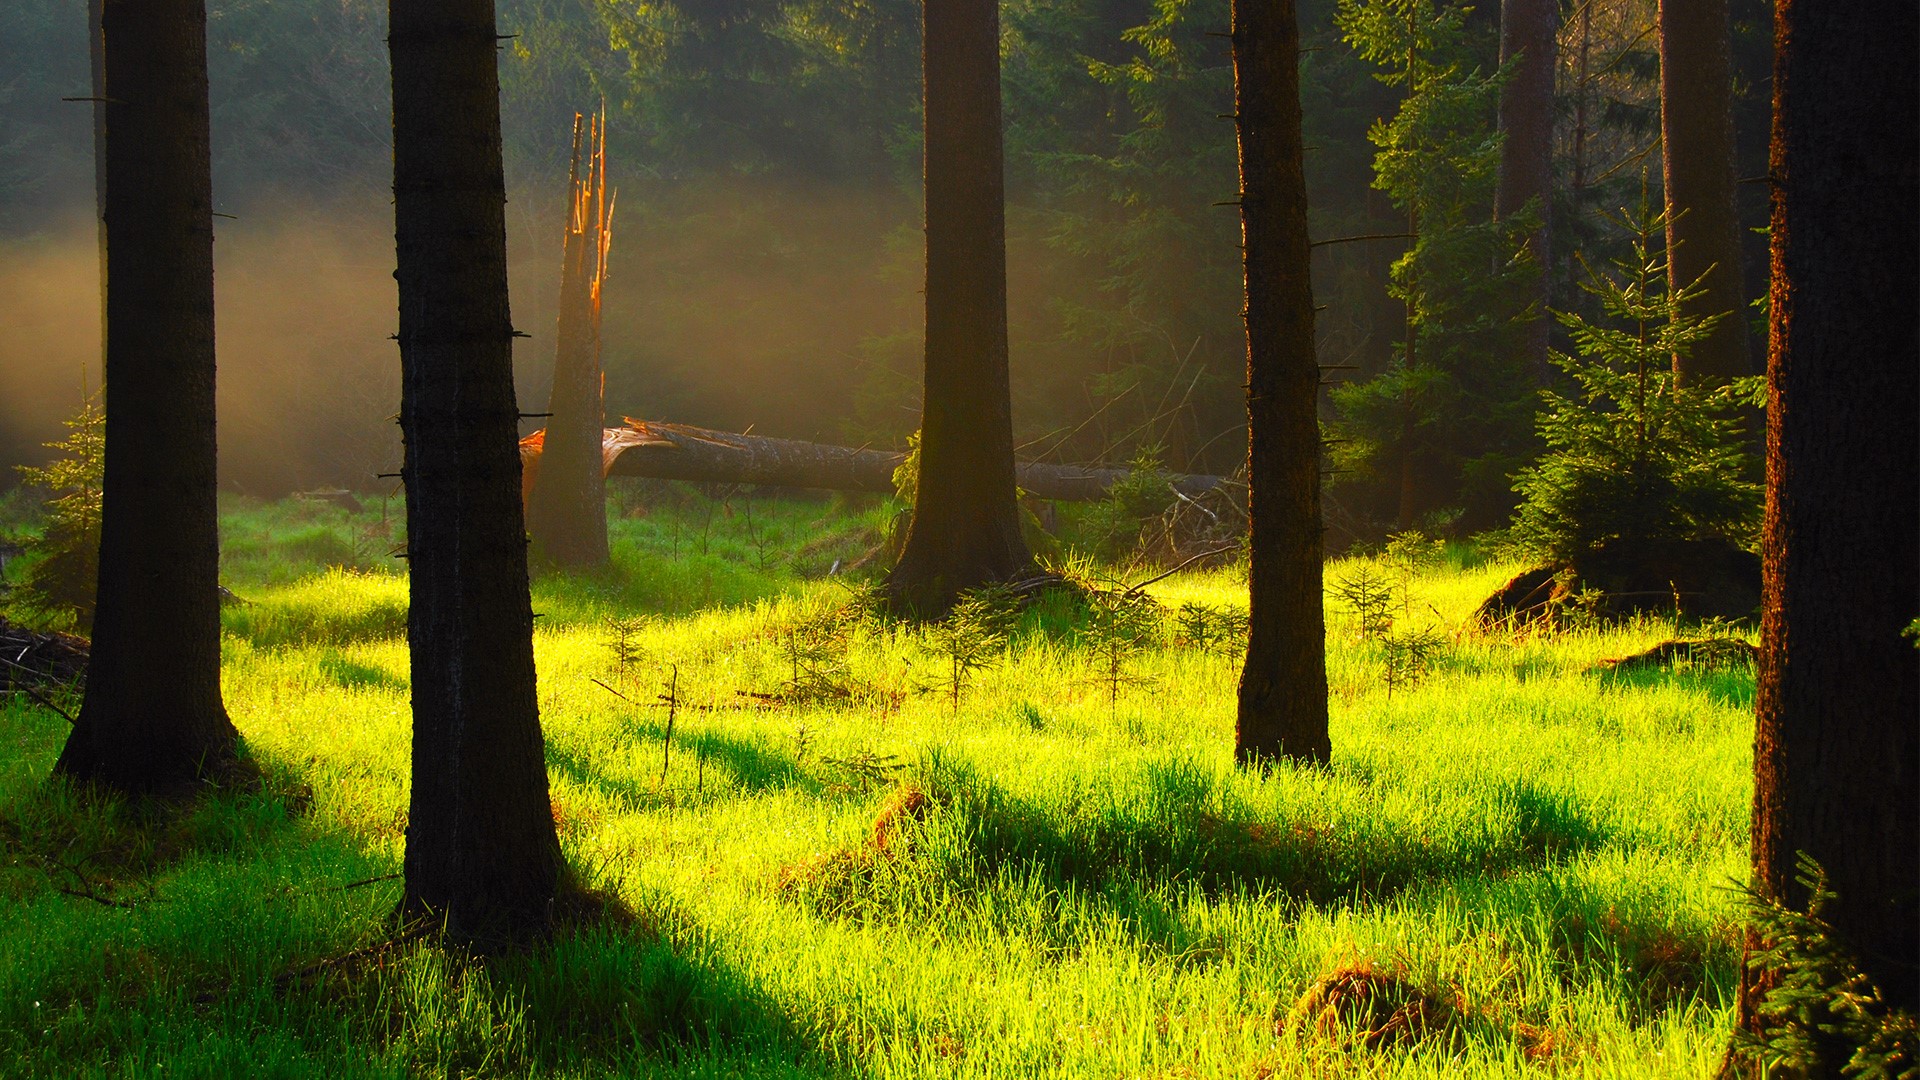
<point x="1515" y="866"/>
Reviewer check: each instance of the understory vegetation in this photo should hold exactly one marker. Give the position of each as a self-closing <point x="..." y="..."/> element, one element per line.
<point x="1015" y="846"/>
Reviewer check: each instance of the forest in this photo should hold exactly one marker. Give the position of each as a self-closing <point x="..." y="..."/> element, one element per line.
<point x="960" y="538"/>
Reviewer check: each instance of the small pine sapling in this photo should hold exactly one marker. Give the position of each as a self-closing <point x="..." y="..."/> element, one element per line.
<point x="1369" y="596"/>
<point x="1119" y="625"/>
<point x="1197" y="625"/>
<point x="623" y="638"/>
<point x="1409" y="655"/>
<point x="1409" y="553"/>
<point x="816" y="652"/>
<point x="1211" y="629"/>
<point x="1819" y="990"/>
<point x="971" y="638"/>
<point x="64" y="560"/>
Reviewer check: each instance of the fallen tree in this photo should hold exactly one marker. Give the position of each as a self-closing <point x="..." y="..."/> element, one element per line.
<point x="663" y="451"/>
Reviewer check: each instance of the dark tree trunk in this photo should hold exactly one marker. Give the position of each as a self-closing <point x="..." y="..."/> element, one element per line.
<point x="966" y="528"/>
<point x="1703" y="228"/>
<point x="567" y="509"/>
<point x="97" y="67"/>
<point x="1283" y="687"/>
<point x="1580" y="101"/>
<point x="1837" y="744"/>
<point x="152" y="719"/>
<point x="1526" y="157"/>
<point x="481" y="850"/>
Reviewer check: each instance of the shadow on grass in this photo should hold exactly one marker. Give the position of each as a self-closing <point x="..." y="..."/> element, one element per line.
<point x="352" y="674"/>
<point x="734" y="765"/>
<point x="94" y="845"/>
<point x="625" y="1000"/>
<point x="1654" y="949"/>
<point x="1184" y="828"/>
<point x="1731" y="687"/>
<point x="148" y="936"/>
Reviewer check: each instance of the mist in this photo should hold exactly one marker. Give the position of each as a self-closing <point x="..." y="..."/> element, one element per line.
<point x="712" y="316"/>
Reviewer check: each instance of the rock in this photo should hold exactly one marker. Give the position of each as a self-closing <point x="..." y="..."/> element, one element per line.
<point x="1695" y="579"/>
<point x="1527" y="598"/>
<point x="1700" y="579"/>
<point x="1712" y="654"/>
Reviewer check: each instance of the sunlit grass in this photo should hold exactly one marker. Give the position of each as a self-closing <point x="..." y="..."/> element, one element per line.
<point x="1034" y="883"/>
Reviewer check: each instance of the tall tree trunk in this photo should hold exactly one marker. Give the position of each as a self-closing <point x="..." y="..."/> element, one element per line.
<point x="152" y="719"/>
<point x="966" y="529"/>
<point x="481" y="850"/>
<point x="1703" y="228"/>
<point x="1526" y="156"/>
<point x="567" y="509"/>
<point x="1283" y="687"/>
<point x="1837" y="746"/>
<point x="97" y="67"/>
<point x="1580" y="100"/>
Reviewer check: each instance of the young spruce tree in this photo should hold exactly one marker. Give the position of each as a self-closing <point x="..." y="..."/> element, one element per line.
<point x="1638" y="455"/>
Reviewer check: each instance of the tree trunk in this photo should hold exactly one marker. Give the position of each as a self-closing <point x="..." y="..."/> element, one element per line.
<point x="1283" y="687"/>
<point x="1703" y="229"/>
<point x="661" y="451"/>
<point x="1836" y="746"/>
<point x="966" y="529"/>
<point x="97" y="68"/>
<point x="567" y="507"/>
<point x="1526" y="157"/>
<point x="152" y="719"/>
<point x="481" y="850"/>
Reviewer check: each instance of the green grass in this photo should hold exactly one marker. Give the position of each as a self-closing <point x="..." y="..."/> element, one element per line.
<point x="1529" y="856"/>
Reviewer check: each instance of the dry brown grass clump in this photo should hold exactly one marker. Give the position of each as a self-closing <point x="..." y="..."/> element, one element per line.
<point x="1372" y="1007"/>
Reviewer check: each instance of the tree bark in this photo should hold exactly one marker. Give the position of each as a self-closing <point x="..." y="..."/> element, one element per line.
<point x="567" y="507"/>
<point x="1527" y="30"/>
<point x="1836" y="744"/>
<point x="1283" y="687"/>
<point x="152" y="720"/>
<point x="97" y="68"/>
<point x="481" y="854"/>
<point x="1703" y="227"/>
<point x="660" y="451"/>
<point x="965" y="530"/>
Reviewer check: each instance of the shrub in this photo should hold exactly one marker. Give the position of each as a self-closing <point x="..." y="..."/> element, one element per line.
<point x="1637" y="455"/>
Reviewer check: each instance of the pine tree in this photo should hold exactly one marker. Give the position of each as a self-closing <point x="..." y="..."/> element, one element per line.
<point x="1638" y="455"/>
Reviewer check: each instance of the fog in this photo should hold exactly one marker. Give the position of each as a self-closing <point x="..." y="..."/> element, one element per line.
<point x="730" y="308"/>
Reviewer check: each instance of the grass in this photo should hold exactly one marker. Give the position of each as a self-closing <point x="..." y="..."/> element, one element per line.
<point x="1514" y="867"/>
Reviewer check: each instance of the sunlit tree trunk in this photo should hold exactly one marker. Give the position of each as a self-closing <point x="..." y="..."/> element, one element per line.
<point x="1837" y="741"/>
<point x="1283" y="687"/>
<point x="1526" y="156"/>
<point x="567" y="509"/>
<point x="152" y="719"/>
<point x="966" y="528"/>
<point x="1703" y="228"/>
<point x="481" y="851"/>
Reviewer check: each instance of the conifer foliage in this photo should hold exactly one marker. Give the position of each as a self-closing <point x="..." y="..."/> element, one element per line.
<point x="1635" y="454"/>
<point x="58" y="584"/>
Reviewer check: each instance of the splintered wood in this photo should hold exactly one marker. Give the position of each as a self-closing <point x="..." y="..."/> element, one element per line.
<point x="590" y="208"/>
